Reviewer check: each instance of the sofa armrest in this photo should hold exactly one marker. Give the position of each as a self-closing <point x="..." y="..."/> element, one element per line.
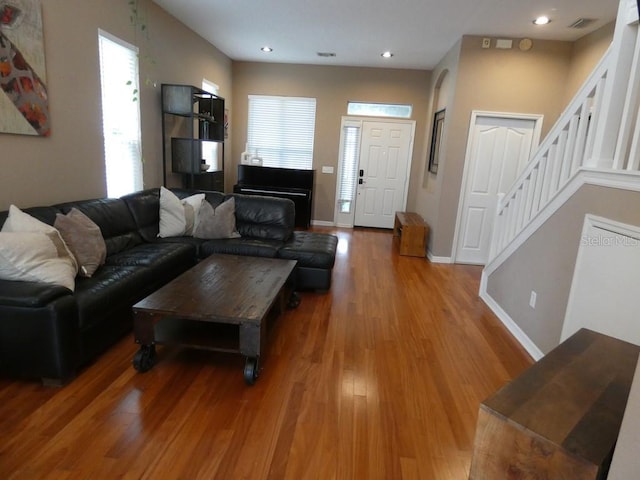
<point x="29" y="294"/>
<point x="39" y="335"/>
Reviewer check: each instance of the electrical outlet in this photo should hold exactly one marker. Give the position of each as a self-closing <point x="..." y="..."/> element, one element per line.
<point x="486" y="43"/>
<point x="532" y="299"/>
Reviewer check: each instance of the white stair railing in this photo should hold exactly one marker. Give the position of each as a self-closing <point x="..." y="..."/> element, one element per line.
<point x="599" y="129"/>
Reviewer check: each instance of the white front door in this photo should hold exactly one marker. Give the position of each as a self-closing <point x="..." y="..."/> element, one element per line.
<point x="498" y="150"/>
<point x="385" y="155"/>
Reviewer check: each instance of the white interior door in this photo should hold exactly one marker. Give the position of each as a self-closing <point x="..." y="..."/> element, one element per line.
<point x="498" y="150"/>
<point x="385" y="156"/>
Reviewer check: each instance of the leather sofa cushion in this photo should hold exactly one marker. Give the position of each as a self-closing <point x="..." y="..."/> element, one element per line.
<point x="162" y="255"/>
<point x="145" y="209"/>
<point x="264" y="217"/>
<point x="310" y="249"/>
<point x="253" y="247"/>
<point x="109" y="289"/>
<point x="194" y="242"/>
<point x="114" y="219"/>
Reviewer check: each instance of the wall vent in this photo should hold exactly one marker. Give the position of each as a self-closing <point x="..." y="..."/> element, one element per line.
<point x="326" y="54"/>
<point x="582" y="23"/>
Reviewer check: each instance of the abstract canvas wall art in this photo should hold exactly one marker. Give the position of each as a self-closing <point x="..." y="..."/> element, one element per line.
<point x="24" y="105"/>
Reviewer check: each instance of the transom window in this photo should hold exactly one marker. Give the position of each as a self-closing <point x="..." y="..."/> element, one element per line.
<point x="391" y="110"/>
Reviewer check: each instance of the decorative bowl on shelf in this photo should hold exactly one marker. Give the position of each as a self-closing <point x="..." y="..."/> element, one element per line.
<point x="204" y="167"/>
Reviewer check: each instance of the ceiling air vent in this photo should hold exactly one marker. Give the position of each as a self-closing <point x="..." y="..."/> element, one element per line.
<point x="582" y="23"/>
<point x="326" y="54"/>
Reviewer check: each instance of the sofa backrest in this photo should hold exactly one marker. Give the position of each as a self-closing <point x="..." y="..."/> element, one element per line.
<point x="145" y="209"/>
<point x="256" y="216"/>
<point x="44" y="214"/>
<point x="214" y="198"/>
<point x="264" y="217"/>
<point x="112" y="215"/>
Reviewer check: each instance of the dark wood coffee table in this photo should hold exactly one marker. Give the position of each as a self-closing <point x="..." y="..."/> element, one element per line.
<point x="220" y="304"/>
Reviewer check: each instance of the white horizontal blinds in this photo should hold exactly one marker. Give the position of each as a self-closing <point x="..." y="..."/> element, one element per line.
<point x="281" y="130"/>
<point x="120" y="115"/>
<point x="350" y="155"/>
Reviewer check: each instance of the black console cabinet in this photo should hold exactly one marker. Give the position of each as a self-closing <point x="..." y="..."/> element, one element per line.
<point x="296" y="185"/>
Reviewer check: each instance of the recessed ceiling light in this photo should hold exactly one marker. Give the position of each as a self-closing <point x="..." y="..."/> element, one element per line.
<point x="267" y="49"/>
<point x="386" y="54"/>
<point x="542" y="20"/>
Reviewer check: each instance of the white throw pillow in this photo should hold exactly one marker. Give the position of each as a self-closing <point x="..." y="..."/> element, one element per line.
<point x="178" y="217"/>
<point x="19" y="221"/>
<point x="36" y="257"/>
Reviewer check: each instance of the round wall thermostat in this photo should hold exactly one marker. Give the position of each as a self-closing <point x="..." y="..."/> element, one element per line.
<point x="525" y="44"/>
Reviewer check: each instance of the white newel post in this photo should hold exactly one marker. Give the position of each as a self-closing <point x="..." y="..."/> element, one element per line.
<point x="615" y="94"/>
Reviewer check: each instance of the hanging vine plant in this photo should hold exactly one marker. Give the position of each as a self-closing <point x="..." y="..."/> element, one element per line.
<point x="138" y="19"/>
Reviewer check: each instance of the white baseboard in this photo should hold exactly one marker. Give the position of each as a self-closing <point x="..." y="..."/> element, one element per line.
<point x="508" y="322"/>
<point x="433" y="259"/>
<point x="322" y="223"/>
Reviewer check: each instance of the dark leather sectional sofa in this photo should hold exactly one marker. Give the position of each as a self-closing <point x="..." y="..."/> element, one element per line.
<point x="49" y="332"/>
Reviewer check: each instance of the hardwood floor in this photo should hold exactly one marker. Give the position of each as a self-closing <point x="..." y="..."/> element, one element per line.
<point x="381" y="378"/>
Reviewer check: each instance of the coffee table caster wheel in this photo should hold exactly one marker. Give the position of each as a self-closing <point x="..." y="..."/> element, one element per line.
<point x="294" y="300"/>
<point x="145" y="358"/>
<point x="251" y="370"/>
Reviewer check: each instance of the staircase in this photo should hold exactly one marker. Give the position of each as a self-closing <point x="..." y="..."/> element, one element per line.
<point x="595" y="141"/>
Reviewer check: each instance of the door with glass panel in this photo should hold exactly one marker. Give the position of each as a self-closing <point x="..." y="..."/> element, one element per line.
<point x="375" y="157"/>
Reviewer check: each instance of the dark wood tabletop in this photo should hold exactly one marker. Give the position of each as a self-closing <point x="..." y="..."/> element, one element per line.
<point x="222" y="289"/>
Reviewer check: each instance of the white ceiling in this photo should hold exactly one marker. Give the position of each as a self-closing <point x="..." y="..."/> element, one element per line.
<point x="418" y="32"/>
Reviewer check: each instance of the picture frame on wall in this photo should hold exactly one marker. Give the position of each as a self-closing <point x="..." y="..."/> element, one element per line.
<point x="24" y="101"/>
<point x="436" y="140"/>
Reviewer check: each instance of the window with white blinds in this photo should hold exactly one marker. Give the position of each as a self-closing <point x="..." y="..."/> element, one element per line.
<point x="281" y="130"/>
<point x="349" y="157"/>
<point x="120" y="115"/>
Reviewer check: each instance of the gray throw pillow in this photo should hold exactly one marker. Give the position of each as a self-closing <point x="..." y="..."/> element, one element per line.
<point x="84" y="239"/>
<point x="217" y="222"/>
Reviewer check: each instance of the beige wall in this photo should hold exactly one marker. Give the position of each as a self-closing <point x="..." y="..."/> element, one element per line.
<point x="69" y="164"/>
<point x="333" y="87"/>
<point x="491" y="80"/>
<point x="546" y="261"/>
<point x="426" y="187"/>
<point x="586" y="54"/>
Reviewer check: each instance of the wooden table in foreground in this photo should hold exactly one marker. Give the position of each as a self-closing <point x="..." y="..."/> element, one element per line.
<point x="220" y="304"/>
<point x="560" y="419"/>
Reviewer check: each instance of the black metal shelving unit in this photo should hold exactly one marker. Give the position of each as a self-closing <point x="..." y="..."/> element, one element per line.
<point x="190" y="117"/>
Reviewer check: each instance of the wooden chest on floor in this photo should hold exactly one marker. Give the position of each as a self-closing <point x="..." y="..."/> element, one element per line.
<point x="410" y="232"/>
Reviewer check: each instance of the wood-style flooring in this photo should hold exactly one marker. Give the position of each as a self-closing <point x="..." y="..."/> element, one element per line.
<point x="380" y="378"/>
